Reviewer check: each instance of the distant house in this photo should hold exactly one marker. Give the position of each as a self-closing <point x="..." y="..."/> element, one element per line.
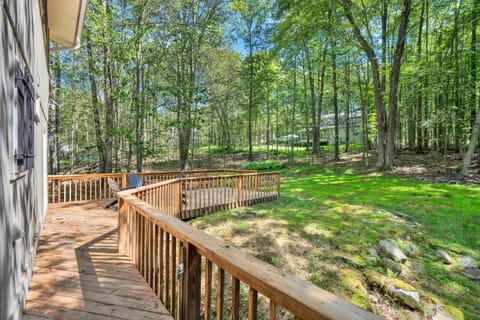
<point x="327" y="127"/>
<point x="26" y="29"/>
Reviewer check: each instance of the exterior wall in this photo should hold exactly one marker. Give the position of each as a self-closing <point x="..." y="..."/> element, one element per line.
<point x="22" y="196"/>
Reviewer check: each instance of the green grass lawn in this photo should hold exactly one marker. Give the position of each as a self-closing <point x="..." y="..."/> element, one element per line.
<point x="325" y="212"/>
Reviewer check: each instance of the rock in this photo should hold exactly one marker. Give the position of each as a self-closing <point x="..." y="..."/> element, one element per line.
<point x="392" y="265"/>
<point x="448" y="313"/>
<point x="373" y="298"/>
<point x="362" y="301"/>
<point x="407" y="297"/>
<point x="399" y="290"/>
<point x="391" y="250"/>
<point x="411" y="250"/>
<point x="467" y="261"/>
<point x="351" y="259"/>
<point x="443" y="256"/>
<point x="373" y="253"/>
<point x="471" y="272"/>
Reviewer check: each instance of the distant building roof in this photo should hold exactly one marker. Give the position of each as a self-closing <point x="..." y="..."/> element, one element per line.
<point x="65" y="22"/>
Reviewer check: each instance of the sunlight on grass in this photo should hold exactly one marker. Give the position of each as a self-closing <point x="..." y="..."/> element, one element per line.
<point x="325" y="212"/>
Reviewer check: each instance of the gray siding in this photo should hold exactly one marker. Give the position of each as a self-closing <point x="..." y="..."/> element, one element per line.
<point x="22" y="197"/>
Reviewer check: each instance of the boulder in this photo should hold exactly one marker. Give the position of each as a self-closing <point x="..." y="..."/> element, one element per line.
<point x="411" y="250"/>
<point x="352" y="259"/>
<point x="390" y="249"/>
<point x="471" y="272"/>
<point x="392" y="265"/>
<point x="448" y="313"/>
<point x="399" y="290"/>
<point x="443" y="256"/>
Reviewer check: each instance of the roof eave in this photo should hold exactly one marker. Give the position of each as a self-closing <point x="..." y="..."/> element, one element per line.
<point x="74" y="44"/>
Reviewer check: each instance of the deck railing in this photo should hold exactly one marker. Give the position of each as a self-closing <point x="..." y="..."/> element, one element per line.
<point x="197" y="276"/>
<point x="81" y="187"/>
<point x="191" y="197"/>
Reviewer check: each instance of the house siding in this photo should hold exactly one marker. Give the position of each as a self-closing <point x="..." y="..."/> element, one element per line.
<point x="23" y="196"/>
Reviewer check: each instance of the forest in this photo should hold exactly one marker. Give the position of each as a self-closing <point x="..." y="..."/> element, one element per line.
<point x="178" y="80"/>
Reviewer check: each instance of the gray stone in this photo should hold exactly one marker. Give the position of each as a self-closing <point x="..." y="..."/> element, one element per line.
<point x="397" y="289"/>
<point x="411" y="250"/>
<point x="448" y="313"/>
<point x="391" y="250"/>
<point x="373" y="298"/>
<point x="373" y="253"/>
<point x="471" y="272"/>
<point x="467" y="261"/>
<point x="392" y="265"/>
<point x="443" y="256"/>
<point x="351" y="259"/>
<point x="410" y="298"/>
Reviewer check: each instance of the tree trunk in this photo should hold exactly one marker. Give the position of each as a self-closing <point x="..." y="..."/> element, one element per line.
<point x="420" y="137"/>
<point x="394" y="77"/>
<point x="95" y="104"/>
<point x="467" y="159"/>
<point x="108" y="94"/>
<point x="347" y="105"/>
<point x="377" y="86"/>
<point x="250" y="96"/>
<point x="313" y="102"/>
<point x="336" y="155"/>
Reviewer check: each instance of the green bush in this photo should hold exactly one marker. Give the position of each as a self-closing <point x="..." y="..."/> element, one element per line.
<point x="265" y="165"/>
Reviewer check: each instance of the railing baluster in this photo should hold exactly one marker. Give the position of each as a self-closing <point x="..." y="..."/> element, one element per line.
<point x="273" y="311"/>
<point x="220" y="292"/>
<point x="173" y="275"/>
<point x="167" y="271"/>
<point x="252" y="304"/>
<point x="161" y="271"/>
<point x="235" y="298"/>
<point x="192" y="282"/>
<point x="208" y="289"/>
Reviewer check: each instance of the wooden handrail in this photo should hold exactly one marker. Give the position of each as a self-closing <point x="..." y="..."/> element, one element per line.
<point x="196" y="196"/>
<point x="80" y="187"/>
<point x="169" y="254"/>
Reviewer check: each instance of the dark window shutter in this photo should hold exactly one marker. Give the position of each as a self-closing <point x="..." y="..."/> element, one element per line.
<point x="24" y="150"/>
<point x="29" y="134"/>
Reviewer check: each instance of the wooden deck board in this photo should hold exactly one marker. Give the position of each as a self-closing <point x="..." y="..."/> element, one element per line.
<point x="79" y="274"/>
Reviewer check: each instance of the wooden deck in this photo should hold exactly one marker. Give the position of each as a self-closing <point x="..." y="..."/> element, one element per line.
<point x="79" y="273"/>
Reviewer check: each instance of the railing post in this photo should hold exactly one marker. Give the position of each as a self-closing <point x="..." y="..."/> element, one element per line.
<point x="180" y="198"/>
<point x="239" y="190"/>
<point x="122" y="227"/>
<point x="192" y="283"/>
<point x="278" y="185"/>
<point x="124" y="181"/>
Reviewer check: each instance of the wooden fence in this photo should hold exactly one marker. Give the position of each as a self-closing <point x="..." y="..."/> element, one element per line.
<point x="81" y="187"/>
<point x="191" y="197"/>
<point x="197" y="276"/>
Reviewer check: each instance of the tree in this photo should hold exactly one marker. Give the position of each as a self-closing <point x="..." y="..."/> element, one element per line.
<point x="386" y="127"/>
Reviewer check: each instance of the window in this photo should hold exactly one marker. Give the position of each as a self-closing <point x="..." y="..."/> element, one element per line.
<point x="23" y="121"/>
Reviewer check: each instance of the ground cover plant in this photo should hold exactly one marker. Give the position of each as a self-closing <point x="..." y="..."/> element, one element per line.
<point x="326" y="229"/>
